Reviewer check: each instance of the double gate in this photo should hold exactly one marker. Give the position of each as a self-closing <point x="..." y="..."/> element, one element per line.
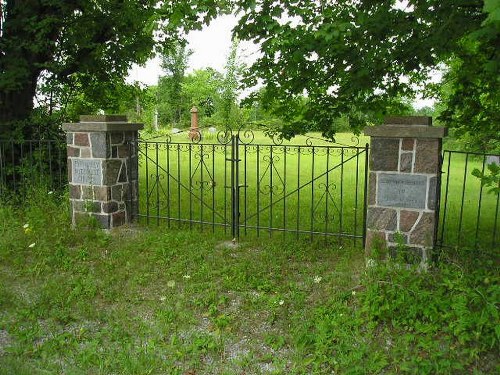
<point x="230" y="181"/>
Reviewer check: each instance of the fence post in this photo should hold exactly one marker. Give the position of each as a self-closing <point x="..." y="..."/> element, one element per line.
<point x="103" y="169"/>
<point x="403" y="188"/>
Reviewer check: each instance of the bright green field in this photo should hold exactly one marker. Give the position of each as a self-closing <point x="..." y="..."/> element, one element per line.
<point x="303" y="188"/>
<point x="294" y="188"/>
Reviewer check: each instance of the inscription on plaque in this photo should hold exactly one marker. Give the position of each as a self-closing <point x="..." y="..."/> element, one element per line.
<point x="399" y="190"/>
<point x="87" y="172"/>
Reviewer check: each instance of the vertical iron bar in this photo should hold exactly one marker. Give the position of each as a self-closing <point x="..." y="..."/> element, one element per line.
<point x="13" y="165"/>
<point x="365" y="194"/>
<point x="225" y="189"/>
<point x="341" y="222"/>
<point x="463" y="199"/>
<point x="258" y="190"/>
<point x="202" y="166"/>
<point x="169" y="199"/>
<point x="49" y="151"/>
<point x="213" y="189"/>
<point x="146" y="145"/>
<point x="312" y="191"/>
<point x="237" y="185"/>
<point x="179" y="185"/>
<point x="327" y="191"/>
<point x="246" y="185"/>
<point x="284" y="192"/>
<point x="356" y="197"/>
<point x="298" y="192"/>
<point x="157" y="184"/>
<point x="190" y="186"/>
<point x="443" y="222"/>
<point x="479" y="206"/>
<point x="233" y="198"/>
<point x="495" y="224"/>
<point x="271" y="167"/>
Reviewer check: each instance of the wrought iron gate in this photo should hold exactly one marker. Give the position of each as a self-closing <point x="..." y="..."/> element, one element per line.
<point x="232" y="182"/>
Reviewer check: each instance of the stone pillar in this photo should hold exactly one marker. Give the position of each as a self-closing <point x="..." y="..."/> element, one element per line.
<point x="103" y="169"/>
<point x="194" y="131"/>
<point x="403" y="187"/>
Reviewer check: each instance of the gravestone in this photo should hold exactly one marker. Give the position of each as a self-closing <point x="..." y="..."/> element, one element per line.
<point x="403" y="182"/>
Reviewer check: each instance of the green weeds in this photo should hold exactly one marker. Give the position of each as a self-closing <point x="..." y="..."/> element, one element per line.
<point x="149" y="300"/>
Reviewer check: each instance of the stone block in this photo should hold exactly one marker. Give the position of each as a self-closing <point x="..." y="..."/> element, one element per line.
<point x="402" y="190"/>
<point x="381" y="218"/>
<point x="384" y="154"/>
<point x="376" y="245"/>
<point x="427" y="156"/>
<point x="86" y="206"/>
<point x="69" y="139"/>
<point x="123" y="174"/>
<point x="85" y="152"/>
<point x="119" y="218"/>
<point x="70" y="168"/>
<point x="100" y="147"/>
<point x="408" y="120"/>
<point x="118" y="192"/>
<point x="372" y="192"/>
<point x="114" y="152"/>
<point x="406" y="162"/>
<point x="407" y="220"/>
<point x="423" y="234"/>
<point x="87" y="192"/>
<point x="73" y="152"/>
<point x="104" y="220"/>
<point x="82" y="139"/>
<point x="102" y="193"/>
<point x="109" y="207"/>
<point x="75" y="191"/>
<point x="111" y="171"/>
<point x="407" y="144"/>
<point x="123" y="151"/>
<point x="117" y="138"/>
<point x="431" y="199"/>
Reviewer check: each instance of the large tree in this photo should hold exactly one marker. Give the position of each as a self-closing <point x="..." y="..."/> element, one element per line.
<point x="357" y="58"/>
<point x="83" y="43"/>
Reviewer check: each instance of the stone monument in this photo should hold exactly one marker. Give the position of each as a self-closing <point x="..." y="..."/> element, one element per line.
<point x="403" y="187"/>
<point x="103" y="169"/>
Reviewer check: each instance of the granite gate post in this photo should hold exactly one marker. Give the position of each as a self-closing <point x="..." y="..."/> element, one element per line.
<point x="403" y="187"/>
<point x="103" y="169"/>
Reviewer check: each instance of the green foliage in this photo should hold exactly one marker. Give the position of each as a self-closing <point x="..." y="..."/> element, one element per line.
<point x="84" y="47"/>
<point x="357" y="59"/>
<point x="490" y="179"/>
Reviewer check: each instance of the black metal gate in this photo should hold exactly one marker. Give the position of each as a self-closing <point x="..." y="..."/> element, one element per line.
<point x="469" y="214"/>
<point x="244" y="187"/>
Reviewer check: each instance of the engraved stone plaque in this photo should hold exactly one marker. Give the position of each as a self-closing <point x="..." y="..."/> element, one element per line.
<point x="400" y="190"/>
<point x="87" y="172"/>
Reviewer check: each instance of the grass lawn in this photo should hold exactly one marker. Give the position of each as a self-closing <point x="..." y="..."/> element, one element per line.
<point x="148" y="300"/>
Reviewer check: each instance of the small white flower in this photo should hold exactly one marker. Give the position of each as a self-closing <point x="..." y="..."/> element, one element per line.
<point x="32" y="245"/>
<point x="281" y="302"/>
<point x="353" y="292"/>
<point x="163" y="298"/>
<point x="317" y="279"/>
<point x="26" y="226"/>
<point x="171" y="283"/>
<point x="50" y="192"/>
<point x="187" y="277"/>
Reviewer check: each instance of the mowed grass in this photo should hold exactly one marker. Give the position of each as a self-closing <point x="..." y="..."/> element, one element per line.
<point x="149" y="300"/>
<point x="304" y="188"/>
